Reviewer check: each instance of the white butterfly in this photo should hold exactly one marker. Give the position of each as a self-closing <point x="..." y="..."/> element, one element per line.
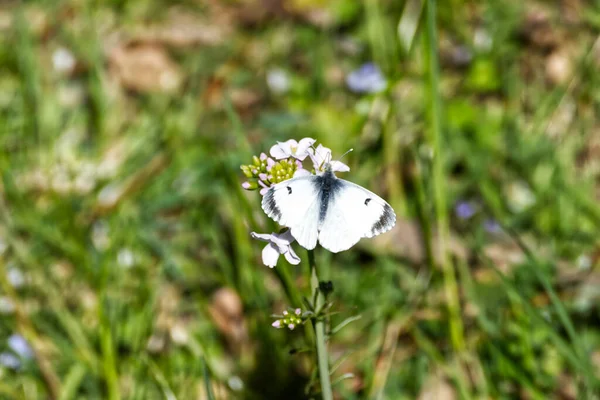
<point x="333" y="211"/>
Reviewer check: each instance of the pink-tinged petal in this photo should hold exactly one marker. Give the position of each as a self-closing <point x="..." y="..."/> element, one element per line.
<point x="314" y="159"/>
<point x="283" y="149"/>
<point x="322" y="155"/>
<point x="270" y="255"/>
<point x="264" y="191"/>
<point x="278" y="153"/>
<point x="262" y="176"/>
<point x="270" y="163"/>
<point x="301" y="172"/>
<point x="263" y="156"/>
<point x="277" y="324"/>
<point x="302" y="150"/>
<point x="246" y="185"/>
<point x="339" y="166"/>
<point x="291" y="326"/>
<point x="291" y="256"/>
<point x="298" y="311"/>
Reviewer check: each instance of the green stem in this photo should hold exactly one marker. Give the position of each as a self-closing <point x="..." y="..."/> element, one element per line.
<point x="435" y="138"/>
<point x="319" y="324"/>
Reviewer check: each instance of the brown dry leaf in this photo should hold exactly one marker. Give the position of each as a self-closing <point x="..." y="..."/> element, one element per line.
<point x="436" y="387"/>
<point x="244" y="100"/>
<point x="145" y="68"/>
<point x="182" y="29"/>
<point x="227" y="313"/>
<point x="404" y="240"/>
<point x="504" y="255"/>
<point x="567" y="387"/>
<point x="537" y="29"/>
<point x="254" y="12"/>
<point x="572" y="11"/>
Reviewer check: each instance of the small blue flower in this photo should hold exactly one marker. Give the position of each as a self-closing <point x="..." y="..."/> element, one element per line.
<point x="492" y="226"/>
<point x="19" y="345"/>
<point x="9" y="360"/>
<point x="464" y="210"/>
<point x="367" y="79"/>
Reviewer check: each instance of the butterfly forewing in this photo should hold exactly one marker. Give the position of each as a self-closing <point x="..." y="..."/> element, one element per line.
<point x="295" y="203"/>
<point x="353" y="213"/>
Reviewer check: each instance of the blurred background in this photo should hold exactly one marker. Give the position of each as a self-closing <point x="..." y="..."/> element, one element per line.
<point x="127" y="270"/>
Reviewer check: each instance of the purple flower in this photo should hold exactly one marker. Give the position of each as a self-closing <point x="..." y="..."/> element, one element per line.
<point x="279" y="244"/>
<point x="492" y="226"/>
<point x="464" y="210"/>
<point x="367" y="79"/>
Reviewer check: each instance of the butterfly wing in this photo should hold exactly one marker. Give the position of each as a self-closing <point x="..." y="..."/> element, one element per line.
<point x="354" y="213"/>
<point x="295" y="203"/>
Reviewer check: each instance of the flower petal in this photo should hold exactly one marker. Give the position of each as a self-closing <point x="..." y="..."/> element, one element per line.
<point x="319" y="156"/>
<point x="283" y="149"/>
<point x="291" y="256"/>
<point x="339" y="166"/>
<point x="270" y="255"/>
<point x="265" y="237"/>
<point x="303" y="146"/>
<point x="287" y="236"/>
<point x="282" y="240"/>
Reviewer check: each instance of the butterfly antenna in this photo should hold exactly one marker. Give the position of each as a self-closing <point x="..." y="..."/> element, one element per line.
<point x="346" y="153"/>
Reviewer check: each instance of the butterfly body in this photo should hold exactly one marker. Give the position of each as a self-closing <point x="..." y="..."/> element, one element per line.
<point x="324" y="208"/>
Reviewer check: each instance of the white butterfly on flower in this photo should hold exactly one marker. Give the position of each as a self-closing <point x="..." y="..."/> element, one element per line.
<point x="325" y="209"/>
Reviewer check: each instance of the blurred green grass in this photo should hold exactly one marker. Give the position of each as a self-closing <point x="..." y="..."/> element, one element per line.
<point x="125" y="254"/>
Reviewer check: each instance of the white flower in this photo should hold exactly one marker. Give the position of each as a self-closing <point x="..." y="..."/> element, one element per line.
<point x="321" y="156"/>
<point x="279" y="243"/>
<point x="63" y="60"/>
<point x="292" y="148"/>
<point x="278" y="81"/>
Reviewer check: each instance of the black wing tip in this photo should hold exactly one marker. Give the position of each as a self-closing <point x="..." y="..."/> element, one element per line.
<point x="386" y="221"/>
<point x="269" y="206"/>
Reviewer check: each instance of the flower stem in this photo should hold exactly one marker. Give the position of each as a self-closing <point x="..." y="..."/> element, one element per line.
<point x="319" y="324"/>
<point x="439" y="180"/>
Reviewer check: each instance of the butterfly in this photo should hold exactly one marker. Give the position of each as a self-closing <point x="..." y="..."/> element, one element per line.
<point x="324" y="208"/>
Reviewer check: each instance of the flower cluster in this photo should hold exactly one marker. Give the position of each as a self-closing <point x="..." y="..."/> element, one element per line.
<point x="289" y="319"/>
<point x="285" y="162"/>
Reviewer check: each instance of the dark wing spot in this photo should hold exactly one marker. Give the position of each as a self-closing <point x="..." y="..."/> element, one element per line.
<point x="289" y="189"/>
<point x="367" y="201"/>
<point x="269" y="205"/>
<point x="385" y="222"/>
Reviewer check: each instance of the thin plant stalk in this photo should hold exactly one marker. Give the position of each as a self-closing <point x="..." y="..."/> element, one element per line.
<point x="319" y="325"/>
<point x="439" y="186"/>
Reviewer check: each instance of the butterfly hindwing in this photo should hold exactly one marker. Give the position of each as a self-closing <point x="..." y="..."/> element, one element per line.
<point x="295" y="203"/>
<point x="353" y="212"/>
